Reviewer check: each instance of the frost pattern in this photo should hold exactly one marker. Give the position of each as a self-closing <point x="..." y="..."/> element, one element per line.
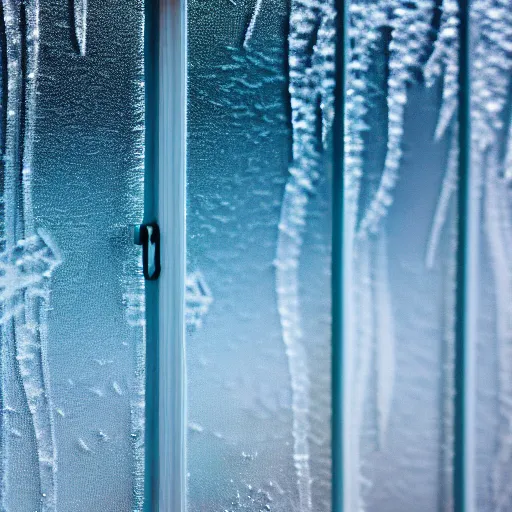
<point x="28" y="256"/>
<point x="410" y="28"/>
<point x="385" y="337"/>
<point x="252" y="24"/>
<point x="491" y="62"/>
<point x="410" y="24"/>
<point x="80" y="20"/>
<point x="135" y="309"/>
<point x="251" y="499"/>
<point x="498" y="225"/>
<point x="311" y="70"/>
<point x="369" y="336"/>
<point x="448" y="382"/>
<point x="198" y="299"/>
<point x="443" y="64"/>
<point x="134" y="288"/>
<point x="508" y="157"/>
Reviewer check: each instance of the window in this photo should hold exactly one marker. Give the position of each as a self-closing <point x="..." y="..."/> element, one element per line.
<point x="331" y="328"/>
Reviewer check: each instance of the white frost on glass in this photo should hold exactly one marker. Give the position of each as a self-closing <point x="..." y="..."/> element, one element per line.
<point x="385" y="340"/>
<point x="310" y="79"/>
<point x="198" y="299"/>
<point x="369" y="338"/>
<point x="362" y="360"/>
<point x="80" y="19"/>
<point x="29" y="256"/>
<point x="252" y="23"/>
<point x="83" y="446"/>
<point x="498" y="226"/>
<point x="443" y="64"/>
<point x="410" y="31"/>
<point x="323" y="69"/>
<point x="135" y="304"/>
<point x="508" y="157"/>
<point x="448" y="189"/>
<point x="491" y="66"/>
<point x="251" y="499"/>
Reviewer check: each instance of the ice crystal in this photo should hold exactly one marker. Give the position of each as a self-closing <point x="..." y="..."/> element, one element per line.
<point x="29" y="257"/>
<point x="311" y="83"/>
<point x="80" y="20"/>
<point x="198" y="299"/>
<point x="490" y="71"/>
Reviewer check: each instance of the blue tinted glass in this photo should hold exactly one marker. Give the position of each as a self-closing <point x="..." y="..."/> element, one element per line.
<point x="401" y="164"/>
<point x="258" y="242"/>
<point x="490" y="225"/>
<point x="72" y="320"/>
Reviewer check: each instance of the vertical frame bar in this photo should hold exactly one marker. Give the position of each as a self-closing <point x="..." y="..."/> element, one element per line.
<point x="467" y="290"/>
<point x="171" y="216"/>
<point x="165" y="153"/>
<point x="339" y="455"/>
<point x="151" y="215"/>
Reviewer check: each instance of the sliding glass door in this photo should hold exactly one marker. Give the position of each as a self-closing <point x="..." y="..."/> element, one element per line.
<point x="332" y="186"/>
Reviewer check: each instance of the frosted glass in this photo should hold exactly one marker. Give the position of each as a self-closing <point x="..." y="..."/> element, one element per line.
<point x="258" y="239"/>
<point x="491" y="202"/>
<point x="399" y="243"/>
<point x="72" y="320"/>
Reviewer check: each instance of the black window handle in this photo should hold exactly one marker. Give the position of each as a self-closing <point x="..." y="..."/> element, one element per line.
<point x="148" y="235"/>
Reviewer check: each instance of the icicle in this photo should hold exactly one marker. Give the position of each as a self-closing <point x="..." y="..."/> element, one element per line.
<point x="323" y="68"/>
<point x="80" y="18"/>
<point x="288" y="251"/>
<point x="307" y="82"/>
<point x="366" y="19"/>
<point x="410" y="24"/>
<point x="252" y="24"/>
<point x="444" y="62"/>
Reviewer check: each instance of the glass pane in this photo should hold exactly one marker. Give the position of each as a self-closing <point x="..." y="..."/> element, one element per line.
<point x="72" y="322"/>
<point x="400" y="243"/>
<point x="491" y="229"/>
<point x="259" y="244"/>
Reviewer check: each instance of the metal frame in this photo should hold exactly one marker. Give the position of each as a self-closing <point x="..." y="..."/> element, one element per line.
<point x="467" y="271"/>
<point x="166" y="78"/>
<point x="339" y="388"/>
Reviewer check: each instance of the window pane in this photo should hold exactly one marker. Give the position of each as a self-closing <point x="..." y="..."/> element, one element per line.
<point x="258" y="241"/>
<point x="72" y="337"/>
<point x="400" y="243"/>
<point x="491" y="229"/>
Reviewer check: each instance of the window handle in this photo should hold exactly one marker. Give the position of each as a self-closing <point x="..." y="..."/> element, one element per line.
<point x="148" y="235"/>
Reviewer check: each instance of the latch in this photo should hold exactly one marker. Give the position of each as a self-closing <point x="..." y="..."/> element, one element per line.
<point x="148" y="235"/>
